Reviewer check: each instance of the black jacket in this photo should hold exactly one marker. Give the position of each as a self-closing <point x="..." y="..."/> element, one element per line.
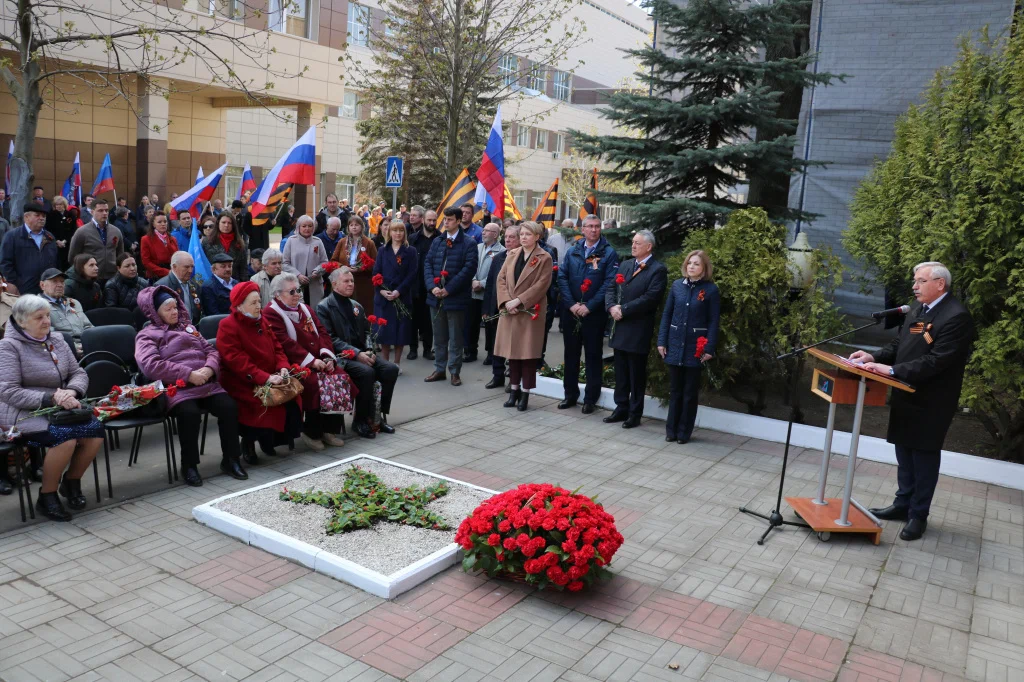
<point x="216" y="298"/>
<point x="491" y="285"/>
<point x="195" y="304"/>
<point x="121" y="293"/>
<point x="920" y="420"/>
<point x="345" y="322"/>
<point x="259" y="235"/>
<point x="640" y="297"/>
<point x="321" y="220"/>
<point x="421" y="243"/>
<point x="89" y="294"/>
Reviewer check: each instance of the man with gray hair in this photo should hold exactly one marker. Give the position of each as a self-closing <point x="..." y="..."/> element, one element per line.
<point x="485" y="252"/>
<point x="632" y="305"/>
<point x="180" y="281"/>
<point x="273" y="264"/>
<point x="930" y="353"/>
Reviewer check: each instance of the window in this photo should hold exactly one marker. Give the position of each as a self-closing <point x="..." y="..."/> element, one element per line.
<point x="232" y="181"/>
<point x="534" y="203"/>
<point x="523" y="136"/>
<point x="520" y="199"/>
<point x="537" y="79"/>
<point x="358" y="25"/>
<point x="393" y="25"/>
<point x="559" y="145"/>
<point x="508" y="69"/>
<point x="345" y="188"/>
<point x="290" y="16"/>
<point x="562" y="85"/>
<point x="542" y="140"/>
<point x="350" y="107"/>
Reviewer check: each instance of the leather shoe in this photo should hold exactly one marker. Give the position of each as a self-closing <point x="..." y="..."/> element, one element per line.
<point x="48" y="504"/>
<point x="616" y="416"/>
<point x="5" y="487"/>
<point x="670" y="439"/>
<point x="233" y="468"/>
<point x="456" y="381"/>
<point x="567" y="403"/>
<point x="631" y="423"/>
<point x="513" y="398"/>
<point x="428" y="355"/>
<point x="435" y="376"/>
<point x="524" y="403"/>
<point x="71" y="489"/>
<point x="248" y="453"/>
<point x="891" y="513"/>
<point x="412" y="355"/>
<point x="489" y="360"/>
<point x="588" y="408"/>
<point x="364" y="430"/>
<point x="495" y="382"/>
<point x="384" y="426"/>
<point x="683" y="440"/>
<point x="914" y="529"/>
<point x="192" y="477"/>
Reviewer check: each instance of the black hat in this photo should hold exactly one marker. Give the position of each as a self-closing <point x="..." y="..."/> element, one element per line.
<point x="33" y="207"/>
<point x="222" y="258"/>
<point x="50" y="273"/>
<point x="237" y="203"/>
<point x="256" y="253"/>
<point x="161" y="297"/>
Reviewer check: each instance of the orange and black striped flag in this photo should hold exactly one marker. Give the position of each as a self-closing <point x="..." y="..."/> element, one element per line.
<point x="511" y="210"/>
<point x="545" y="213"/>
<point x="461" y="192"/>
<point x="277" y="197"/>
<point x="590" y="206"/>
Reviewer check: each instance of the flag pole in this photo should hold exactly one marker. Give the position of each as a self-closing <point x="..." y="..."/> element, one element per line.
<point x="115" y="196"/>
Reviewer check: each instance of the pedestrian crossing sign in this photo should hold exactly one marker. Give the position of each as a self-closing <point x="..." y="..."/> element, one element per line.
<point x="393" y="171"/>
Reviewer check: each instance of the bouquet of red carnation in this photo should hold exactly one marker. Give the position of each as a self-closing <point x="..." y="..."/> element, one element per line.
<point x="364" y="262"/>
<point x="440" y="282"/>
<point x="620" y="281"/>
<point x="378" y="323"/>
<point x="400" y="308"/>
<point x="584" y="288"/>
<point x="543" y="534"/>
<point x="327" y="268"/>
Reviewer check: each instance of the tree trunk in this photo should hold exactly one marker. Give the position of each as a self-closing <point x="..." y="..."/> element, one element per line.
<point x="30" y="102"/>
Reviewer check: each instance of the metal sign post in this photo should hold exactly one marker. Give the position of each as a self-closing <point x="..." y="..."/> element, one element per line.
<point x="393" y="171"/>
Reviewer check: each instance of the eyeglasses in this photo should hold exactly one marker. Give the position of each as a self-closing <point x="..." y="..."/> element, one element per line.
<point x="208" y="226"/>
<point x="924" y="281"/>
<point x="292" y="292"/>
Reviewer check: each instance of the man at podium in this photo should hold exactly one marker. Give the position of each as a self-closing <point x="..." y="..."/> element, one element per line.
<point x="930" y="353"/>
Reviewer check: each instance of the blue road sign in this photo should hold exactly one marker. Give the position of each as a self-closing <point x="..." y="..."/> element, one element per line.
<point x="393" y="173"/>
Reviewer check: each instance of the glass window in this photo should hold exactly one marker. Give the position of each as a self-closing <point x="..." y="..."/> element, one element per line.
<point x="350" y="107"/>
<point x="537" y="79"/>
<point x="345" y="188"/>
<point x="358" y="25"/>
<point x="232" y="181"/>
<point x="542" y="140"/>
<point x="508" y="69"/>
<point x="561" y="82"/>
<point x="392" y="25"/>
<point x="559" y="143"/>
<point x="523" y="136"/>
<point x="520" y="199"/>
<point x="289" y="16"/>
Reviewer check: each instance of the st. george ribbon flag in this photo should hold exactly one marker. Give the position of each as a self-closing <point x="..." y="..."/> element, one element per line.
<point x="296" y="167"/>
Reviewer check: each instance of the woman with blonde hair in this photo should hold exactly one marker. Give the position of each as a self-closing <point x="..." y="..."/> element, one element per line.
<point x="359" y="253"/>
<point x="686" y="340"/>
<point x="397" y="266"/>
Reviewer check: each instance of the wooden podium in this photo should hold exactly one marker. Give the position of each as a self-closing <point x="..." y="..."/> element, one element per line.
<point x="843" y="383"/>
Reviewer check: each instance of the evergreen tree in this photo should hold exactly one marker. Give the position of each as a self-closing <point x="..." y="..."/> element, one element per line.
<point x="692" y="138"/>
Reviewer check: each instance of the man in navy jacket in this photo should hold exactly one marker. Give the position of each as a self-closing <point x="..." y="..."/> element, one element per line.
<point x="27" y="251"/>
<point x="583" y="313"/>
<point x="448" y="277"/>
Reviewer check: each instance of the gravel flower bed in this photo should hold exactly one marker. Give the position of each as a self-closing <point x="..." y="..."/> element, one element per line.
<point x="386" y="547"/>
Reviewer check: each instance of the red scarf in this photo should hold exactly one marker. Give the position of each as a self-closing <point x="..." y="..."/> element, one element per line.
<point x="226" y="240"/>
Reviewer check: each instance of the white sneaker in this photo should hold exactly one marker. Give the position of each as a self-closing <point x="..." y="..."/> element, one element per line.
<point x="333" y="441"/>
<point x="313" y="444"/>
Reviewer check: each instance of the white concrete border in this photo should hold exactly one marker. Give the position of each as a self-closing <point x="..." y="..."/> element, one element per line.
<point x="956" y="464"/>
<point x="320" y="560"/>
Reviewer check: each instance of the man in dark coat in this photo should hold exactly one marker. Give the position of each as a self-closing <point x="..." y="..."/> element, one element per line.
<point x="27" y="251"/>
<point x="584" y="315"/>
<point x="421" y="239"/>
<point x="490" y="307"/>
<point x="181" y="282"/>
<point x="632" y="305"/>
<point x="216" y="294"/>
<point x="930" y="353"/>
<point x="345" y="321"/>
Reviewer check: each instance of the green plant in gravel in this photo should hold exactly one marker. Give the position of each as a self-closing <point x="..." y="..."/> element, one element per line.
<point x="364" y="500"/>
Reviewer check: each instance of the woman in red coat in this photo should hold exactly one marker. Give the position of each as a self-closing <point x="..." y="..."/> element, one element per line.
<point x="157" y="248"/>
<point x="251" y="356"/>
<point x="307" y="344"/>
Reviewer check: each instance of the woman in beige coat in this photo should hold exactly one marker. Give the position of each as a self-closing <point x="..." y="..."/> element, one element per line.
<point x="522" y="299"/>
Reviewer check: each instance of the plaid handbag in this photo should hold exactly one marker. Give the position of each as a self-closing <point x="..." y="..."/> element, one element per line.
<point x="336" y="393"/>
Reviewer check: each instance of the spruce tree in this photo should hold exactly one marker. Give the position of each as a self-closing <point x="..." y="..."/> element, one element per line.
<point x="689" y="134"/>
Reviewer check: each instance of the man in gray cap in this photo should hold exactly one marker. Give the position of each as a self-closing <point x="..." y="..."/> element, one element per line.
<point x="27" y="252"/>
<point x="216" y="294"/>
<point x="66" y="314"/>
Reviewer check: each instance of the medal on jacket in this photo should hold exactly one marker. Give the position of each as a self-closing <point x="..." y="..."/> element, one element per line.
<point x="192" y="330"/>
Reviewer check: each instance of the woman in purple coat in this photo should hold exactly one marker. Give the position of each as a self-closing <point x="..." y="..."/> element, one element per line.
<point x="171" y="349"/>
<point x="396" y="264"/>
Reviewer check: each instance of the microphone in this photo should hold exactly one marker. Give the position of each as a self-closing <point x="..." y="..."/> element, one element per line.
<point x="891" y="312"/>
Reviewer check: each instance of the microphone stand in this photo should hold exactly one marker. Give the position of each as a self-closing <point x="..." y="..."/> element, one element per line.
<point x="775" y="518"/>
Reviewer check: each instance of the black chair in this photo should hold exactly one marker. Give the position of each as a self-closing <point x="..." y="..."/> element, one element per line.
<point x="69" y="339"/>
<point x="140" y="318"/>
<point x="24" y="484"/>
<point x="208" y="326"/>
<point x="104" y="375"/>
<point x="118" y="339"/>
<point x="106" y="317"/>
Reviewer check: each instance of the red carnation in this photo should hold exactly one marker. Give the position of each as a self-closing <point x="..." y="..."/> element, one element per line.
<point x="494" y="540"/>
<point x="372" y="319"/>
<point x="620" y="278"/>
<point x="509" y="544"/>
<point x="348" y="354"/>
<point x="382" y="321"/>
<point x="378" y="280"/>
<point x="328" y="268"/>
<point x="444" y="273"/>
<point x="437" y="280"/>
<point x="172" y="391"/>
<point x="702" y="343"/>
<point x="585" y="286"/>
<point x="180" y="383"/>
<point x="575" y="586"/>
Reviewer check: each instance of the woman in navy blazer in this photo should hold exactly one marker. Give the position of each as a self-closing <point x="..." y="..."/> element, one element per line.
<point x="397" y="263"/>
<point x="691" y="312"/>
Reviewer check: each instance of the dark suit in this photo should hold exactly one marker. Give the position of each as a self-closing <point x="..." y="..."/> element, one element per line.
<point x="639" y="298"/>
<point x="345" y="322"/>
<point x="215" y="297"/>
<point x="193" y="303"/>
<point x="918" y="421"/>
<point x="490" y="307"/>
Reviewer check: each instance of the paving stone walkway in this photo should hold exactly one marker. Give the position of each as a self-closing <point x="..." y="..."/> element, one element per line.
<point x="140" y="591"/>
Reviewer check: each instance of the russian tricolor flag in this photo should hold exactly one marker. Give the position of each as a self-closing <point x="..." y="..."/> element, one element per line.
<point x="297" y="166"/>
<point x="248" y="182"/>
<point x="199" y="175"/>
<point x="192" y="200"/>
<point x="105" y="178"/>
<point x="72" y="190"/>
<point x="490" y="187"/>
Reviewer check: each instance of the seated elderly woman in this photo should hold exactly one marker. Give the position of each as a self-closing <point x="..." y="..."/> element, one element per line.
<point x="306" y="343"/>
<point x="250" y="357"/>
<point x="40" y="370"/>
<point x="171" y="350"/>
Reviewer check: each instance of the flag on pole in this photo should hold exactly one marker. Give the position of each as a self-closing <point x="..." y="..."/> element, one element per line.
<point x="192" y="200"/>
<point x="199" y="175"/>
<point x="7" y="182"/>
<point x="203" y="273"/>
<point x="461" y="192"/>
<point x="590" y="205"/>
<point x="511" y="210"/>
<point x="72" y="190"/>
<point x="269" y="211"/>
<point x="490" y="188"/>
<point x="296" y="167"/>
<point x="248" y="182"/>
<point x="105" y="178"/>
<point x="545" y="213"/>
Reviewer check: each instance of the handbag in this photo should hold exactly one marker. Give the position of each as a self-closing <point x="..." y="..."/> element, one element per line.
<point x="79" y="415"/>
<point x="335" y="392"/>
<point x="279" y="394"/>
